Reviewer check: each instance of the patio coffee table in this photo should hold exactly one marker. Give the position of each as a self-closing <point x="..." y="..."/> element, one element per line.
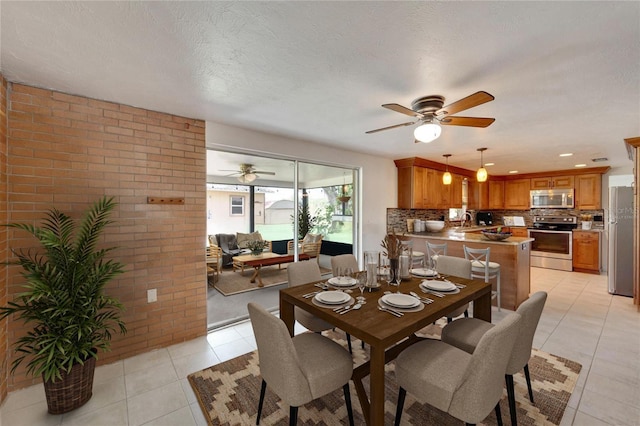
<point x="265" y="259"/>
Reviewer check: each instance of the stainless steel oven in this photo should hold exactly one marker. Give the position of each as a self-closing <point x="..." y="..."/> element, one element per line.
<point x="553" y="242"/>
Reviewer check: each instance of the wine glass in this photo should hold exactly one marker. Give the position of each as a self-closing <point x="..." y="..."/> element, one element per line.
<point x="362" y="283"/>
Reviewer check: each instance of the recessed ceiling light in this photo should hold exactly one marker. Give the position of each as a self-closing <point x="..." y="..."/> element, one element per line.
<point x="513" y="171"/>
<point x="566" y="154"/>
<point x="580" y="165"/>
<point x="599" y="159"/>
<point x="489" y="164"/>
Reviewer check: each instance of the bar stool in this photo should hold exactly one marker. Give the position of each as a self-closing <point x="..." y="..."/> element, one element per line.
<point x="417" y="257"/>
<point x="481" y="267"/>
<point x="433" y="251"/>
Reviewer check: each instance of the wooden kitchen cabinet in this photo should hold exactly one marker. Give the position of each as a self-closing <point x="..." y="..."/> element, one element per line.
<point x="586" y="251"/>
<point x="478" y="193"/>
<point x="456" y="191"/>
<point x="410" y="187"/>
<point x="516" y="194"/>
<point x="496" y="195"/>
<point x="518" y="231"/>
<point x="588" y="191"/>
<point x="552" y="182"/>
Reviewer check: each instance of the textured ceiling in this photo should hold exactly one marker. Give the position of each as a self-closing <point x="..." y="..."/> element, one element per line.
<point x="565" y="75"/>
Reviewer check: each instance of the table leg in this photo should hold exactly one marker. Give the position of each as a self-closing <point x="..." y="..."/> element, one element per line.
<point x="482" y="307"/>
<point x="256" y="275"/>
<point x="287" y="315"/>
<point x="376" y="386"/>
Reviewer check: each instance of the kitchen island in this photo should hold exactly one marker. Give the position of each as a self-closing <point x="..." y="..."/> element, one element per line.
<point x="512" y="254"/>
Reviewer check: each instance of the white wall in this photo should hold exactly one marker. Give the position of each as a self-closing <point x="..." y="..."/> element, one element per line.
<point x="379" y="176"/>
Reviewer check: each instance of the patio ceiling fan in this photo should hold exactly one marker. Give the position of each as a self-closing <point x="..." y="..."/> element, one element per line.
<point x="247" y="173"/>
<point x="429" y="111"/>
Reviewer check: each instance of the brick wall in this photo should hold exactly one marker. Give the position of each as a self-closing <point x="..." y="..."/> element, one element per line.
<point x="68" y="151"/>
<point x="3" y="234"/>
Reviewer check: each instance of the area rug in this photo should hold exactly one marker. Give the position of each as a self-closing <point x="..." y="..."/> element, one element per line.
<point x="228" y="394"/>
<point x="230" y="282"/>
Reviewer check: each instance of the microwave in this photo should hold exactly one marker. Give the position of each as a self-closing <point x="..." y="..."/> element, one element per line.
<point x="552" y="199"/>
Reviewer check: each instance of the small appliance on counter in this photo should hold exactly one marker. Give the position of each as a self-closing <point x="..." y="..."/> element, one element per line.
<point x="513" y="221"/>
<point x="484" y="218"/>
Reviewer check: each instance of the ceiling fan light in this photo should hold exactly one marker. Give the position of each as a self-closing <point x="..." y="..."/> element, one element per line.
<point x="427" y="132"/>
<point x="446" y="178"/>
<point x="482" y="175"/>
<point x="247" y="177"/>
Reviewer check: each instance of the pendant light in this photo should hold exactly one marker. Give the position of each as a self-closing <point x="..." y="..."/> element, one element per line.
<point x="344" y="198"/>
<point x="446" y="177"/>
<point x="481" y="175"/>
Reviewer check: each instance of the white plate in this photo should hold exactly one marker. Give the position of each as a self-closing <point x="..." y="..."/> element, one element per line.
<point x="332" y="297"/>
<point x="439" y="285"/>
<point x="342" y="281"/>
<point x="400" y="300"/>
<point x="424" y="272"/>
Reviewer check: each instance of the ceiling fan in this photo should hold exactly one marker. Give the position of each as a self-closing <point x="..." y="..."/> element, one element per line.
<point x="429" y="111"/>
<point x="247" y="173"/>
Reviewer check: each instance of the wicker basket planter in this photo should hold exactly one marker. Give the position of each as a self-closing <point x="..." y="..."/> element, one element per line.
<point x="73" y="391"/>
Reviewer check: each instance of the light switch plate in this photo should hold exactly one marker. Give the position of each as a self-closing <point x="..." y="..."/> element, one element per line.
<point x="152" y="295"/>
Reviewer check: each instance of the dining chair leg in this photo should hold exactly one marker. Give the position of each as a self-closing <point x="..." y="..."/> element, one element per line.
<point x="528" y="377"/>
<point x="498" y="414"/>
<point x="466" y="313"/>
<point x="263" y="389"/>
<point x="347" y="400"/>
<point x="512" y="399"/>
<point x="349" y="343"/>
<point x="293" y="416"/>
<point x="401" y="394"/>
<point x="362" y="343"/>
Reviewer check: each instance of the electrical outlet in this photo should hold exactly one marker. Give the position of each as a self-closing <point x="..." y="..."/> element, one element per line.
<point x="152" y="295"/>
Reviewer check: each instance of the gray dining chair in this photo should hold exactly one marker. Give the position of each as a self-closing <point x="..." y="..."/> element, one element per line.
<point x="343" y="261"/>
<point x="458" y="267"/>
<point x="298" y="369"/>
<point x="467" y="386"/>
<point x="467" y="333"/>
<point x="304" y="272"/>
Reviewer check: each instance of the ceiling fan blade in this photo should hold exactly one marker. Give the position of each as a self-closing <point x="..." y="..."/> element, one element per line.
<point x="262" y="172"/>
<point x="402" y="110"/>
<point x="467" y="121"/>
<point x="392" y="127"/>
<point x="470" y="101"/>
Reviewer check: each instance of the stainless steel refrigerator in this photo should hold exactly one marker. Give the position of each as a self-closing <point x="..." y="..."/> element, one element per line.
<point x="620" y="231"/>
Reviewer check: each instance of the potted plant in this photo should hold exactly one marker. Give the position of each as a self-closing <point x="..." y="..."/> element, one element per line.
<point x="64" y="302"/>
<point x="306" y="221"/>
<point x="256" y="246"/>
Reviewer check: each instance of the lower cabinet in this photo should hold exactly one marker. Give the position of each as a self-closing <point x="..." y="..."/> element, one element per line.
<point x="518" y="231"/>
<point x="586" y="251"/>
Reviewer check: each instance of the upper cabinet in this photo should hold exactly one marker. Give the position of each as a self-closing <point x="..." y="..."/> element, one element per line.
<point x="552" y="182"/>
<point x="588" y="192"/>
<point x="496" y="195"/>
<point x="516" y="194"/>
<point x="420" y="187"/>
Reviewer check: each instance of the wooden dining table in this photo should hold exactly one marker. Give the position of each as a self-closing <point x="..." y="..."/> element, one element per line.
<point x="386" y="335"/>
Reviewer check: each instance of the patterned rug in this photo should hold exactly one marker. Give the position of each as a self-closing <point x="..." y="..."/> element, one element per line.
<point x="228" y="394"/>
<point x="230" y="282"/>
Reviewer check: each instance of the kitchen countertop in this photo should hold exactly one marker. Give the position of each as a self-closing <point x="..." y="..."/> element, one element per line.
<point x="469" y="236"/>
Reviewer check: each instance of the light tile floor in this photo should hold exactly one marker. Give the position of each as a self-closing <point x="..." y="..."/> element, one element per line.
<point x="581" y="321"/>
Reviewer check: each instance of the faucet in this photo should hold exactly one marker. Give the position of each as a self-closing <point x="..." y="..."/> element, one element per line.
<point x="464" y="219"/>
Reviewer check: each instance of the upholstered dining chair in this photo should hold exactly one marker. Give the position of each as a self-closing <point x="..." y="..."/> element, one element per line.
<point x="467" y="333"/>
<point x="458" y="267"/>
<point x="343" y="261"/>
<point x="304" y="272"/>
<point x="298" y="369"/>
<point x="481" y="267"/>
<point x="433" y="251"/>
<point x="467" y="386"/>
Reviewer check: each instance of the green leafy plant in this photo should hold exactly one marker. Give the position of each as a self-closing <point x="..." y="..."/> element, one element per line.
<point x="306" y="221"/>
<point x="256" y="246"/>
<point x="64" y="300"/>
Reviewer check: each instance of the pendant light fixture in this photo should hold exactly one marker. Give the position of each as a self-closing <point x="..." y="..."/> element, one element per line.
<point x="344" y="198"/>
<point x="446" y="177"/>
<point x="481" y="175"/>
